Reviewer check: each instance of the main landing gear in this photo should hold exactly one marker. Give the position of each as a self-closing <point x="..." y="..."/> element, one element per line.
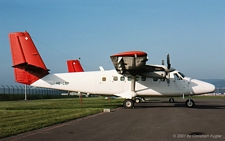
<point x="128" y="104"/>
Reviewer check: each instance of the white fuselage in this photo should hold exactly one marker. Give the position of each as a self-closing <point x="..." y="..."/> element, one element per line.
<point x="112" y="83"/>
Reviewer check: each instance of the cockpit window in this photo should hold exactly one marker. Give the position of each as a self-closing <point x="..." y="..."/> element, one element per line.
<point x="181" y="74"/>
<point x="176" y="76"/>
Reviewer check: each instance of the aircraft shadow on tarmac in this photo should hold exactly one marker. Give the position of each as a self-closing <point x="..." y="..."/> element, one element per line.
<point x="178" y="104"/>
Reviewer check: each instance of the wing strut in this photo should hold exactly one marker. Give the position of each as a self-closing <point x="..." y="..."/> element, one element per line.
<point x="133" y="77"/>
<point x="133" y="82"/>
<point x="129" y="103"/>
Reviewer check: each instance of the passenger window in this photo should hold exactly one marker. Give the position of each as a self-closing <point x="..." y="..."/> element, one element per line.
<point x="163" y="79"/>
<point x="103" y="78"/>
<point x="137" y="78"/>
<point x="155" y="79"/>
<point x="115" y="78"/>
<point x="143" y="78"/>
<point x="129" y="78"/>
<point x="122" y="78"/>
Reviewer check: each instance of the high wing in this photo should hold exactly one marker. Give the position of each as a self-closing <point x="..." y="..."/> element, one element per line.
<point x="134" y="63"/>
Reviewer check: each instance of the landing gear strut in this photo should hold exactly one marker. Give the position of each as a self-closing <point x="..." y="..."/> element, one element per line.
<point x="128" y="103"/>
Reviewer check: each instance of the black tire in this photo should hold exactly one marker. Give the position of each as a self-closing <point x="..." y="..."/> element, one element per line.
<point x="137" y="100"/>
<point x="128" y="104"/>
<point x="171" y="100"/>
<point x="190" y="103"/>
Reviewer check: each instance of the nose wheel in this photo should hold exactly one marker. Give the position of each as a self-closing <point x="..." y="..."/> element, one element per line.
<point x="190" y="103"/>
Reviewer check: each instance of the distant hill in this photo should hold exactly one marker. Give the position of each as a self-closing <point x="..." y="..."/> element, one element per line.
<point x="219" y="83"/>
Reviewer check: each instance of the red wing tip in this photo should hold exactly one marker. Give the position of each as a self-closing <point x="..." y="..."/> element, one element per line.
<point x="131" y="53"/>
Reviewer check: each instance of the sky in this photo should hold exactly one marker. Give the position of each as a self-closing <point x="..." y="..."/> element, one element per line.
<point x="192" y="32"/>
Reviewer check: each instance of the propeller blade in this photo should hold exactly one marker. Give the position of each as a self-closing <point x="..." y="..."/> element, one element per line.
<point x="168" y="61"/>
<point x="168" y="67"/>
<point x="162" y="62"/>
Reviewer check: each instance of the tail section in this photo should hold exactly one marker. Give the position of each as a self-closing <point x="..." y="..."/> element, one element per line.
<point x="27" y="62"/>
<point x="74" y="66"/>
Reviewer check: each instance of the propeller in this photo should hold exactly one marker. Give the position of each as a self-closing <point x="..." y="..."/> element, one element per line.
<point x="168" y="61"/>
<point x="162" y="62"/>
<point x="168" y="69"/>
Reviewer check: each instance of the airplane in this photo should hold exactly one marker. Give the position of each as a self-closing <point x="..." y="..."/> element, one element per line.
<point x="132" y="78"/>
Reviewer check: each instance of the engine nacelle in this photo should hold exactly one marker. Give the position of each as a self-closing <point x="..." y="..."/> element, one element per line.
<point x="129" y="61"/>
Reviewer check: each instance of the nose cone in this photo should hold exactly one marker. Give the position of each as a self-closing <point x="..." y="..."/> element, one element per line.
<point x="201" y="87"/>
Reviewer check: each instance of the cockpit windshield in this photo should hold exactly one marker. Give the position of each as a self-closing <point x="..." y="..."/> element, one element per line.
<point x="181" y="74"/>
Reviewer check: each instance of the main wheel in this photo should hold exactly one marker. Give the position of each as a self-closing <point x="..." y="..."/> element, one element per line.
<point x="190" y="103"/>
<point x="171" y="100"/>
<point x="128" y="103"/>
<point x="137" y="100"/>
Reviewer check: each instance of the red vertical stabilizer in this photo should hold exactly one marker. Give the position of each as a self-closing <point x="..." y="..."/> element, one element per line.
<point x="74" y="66"/>
<point x="27" y="62"/>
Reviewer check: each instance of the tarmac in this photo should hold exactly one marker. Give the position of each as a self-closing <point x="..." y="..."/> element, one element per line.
<point x="154" y="120"/>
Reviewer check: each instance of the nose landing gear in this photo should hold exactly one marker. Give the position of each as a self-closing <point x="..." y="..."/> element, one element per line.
<point x="190" y="103"/>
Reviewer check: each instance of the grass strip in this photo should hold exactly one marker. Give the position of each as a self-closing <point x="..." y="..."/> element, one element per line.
<point x="22" y="116"/>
